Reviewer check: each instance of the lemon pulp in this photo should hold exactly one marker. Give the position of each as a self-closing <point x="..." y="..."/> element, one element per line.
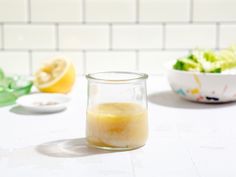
<point x="117" y="125"/>
<point x="57" y="76"/>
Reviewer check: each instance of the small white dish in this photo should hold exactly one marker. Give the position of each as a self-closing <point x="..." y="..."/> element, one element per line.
<point x="44" y="102"/>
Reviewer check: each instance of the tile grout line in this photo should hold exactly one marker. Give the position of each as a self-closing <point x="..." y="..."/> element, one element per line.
<point x="191" y="11"/>
<point x="217" y="36"/>
<point x="121" y="23"/>
<point x="101" y="50"/>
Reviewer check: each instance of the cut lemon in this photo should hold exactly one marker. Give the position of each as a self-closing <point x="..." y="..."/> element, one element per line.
<point x="56" y="76"/>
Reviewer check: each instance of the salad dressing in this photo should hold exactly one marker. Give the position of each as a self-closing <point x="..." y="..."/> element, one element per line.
<point x="117" y="125"/>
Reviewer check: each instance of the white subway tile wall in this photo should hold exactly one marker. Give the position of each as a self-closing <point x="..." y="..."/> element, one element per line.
<point x="14" y="10"/>
<point x="227" y="35"/>
<point x="28" y="36"/>
<point x="137" y="37"/>
<point x="83" y="37"/>
<point x="15" y="62"/>
<point x="214" y="10"/>
<point x="189" y="36"/>
<point x="164" y="10"/>
<point x="56" y="10"/>
<point x="112" y="60"/>
<point x="110" y="11"/>
<point x="101" y="35"/>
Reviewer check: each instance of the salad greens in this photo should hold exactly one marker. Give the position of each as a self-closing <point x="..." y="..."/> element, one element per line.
<point x="208" y="61"/>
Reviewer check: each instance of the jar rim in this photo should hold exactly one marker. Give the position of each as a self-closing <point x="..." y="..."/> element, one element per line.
<point x="111" y="76"/>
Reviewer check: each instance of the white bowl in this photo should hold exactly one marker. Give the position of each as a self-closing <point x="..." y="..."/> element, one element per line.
<point x="203" y="87"/>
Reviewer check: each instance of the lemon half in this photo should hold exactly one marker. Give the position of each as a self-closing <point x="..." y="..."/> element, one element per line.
<point x="56" y="76"/>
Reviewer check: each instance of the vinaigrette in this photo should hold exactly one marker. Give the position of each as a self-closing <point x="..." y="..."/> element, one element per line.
<point x="118" y="126"/>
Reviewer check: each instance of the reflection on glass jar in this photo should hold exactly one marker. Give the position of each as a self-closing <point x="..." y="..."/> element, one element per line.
<point x="117" y="110"/>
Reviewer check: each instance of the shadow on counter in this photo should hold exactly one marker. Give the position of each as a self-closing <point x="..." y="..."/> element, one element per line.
<point x="170" y="99"/>
<point x="68" y="148"/>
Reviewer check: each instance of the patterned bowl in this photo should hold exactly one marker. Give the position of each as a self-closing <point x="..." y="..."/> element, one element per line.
<point x="203" y="87"/>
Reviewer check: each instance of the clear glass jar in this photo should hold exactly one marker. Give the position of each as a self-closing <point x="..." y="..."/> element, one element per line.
<point x="117" y="110"/>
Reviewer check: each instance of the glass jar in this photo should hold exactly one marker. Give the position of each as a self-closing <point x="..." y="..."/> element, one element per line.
<point x="117" y="110"/>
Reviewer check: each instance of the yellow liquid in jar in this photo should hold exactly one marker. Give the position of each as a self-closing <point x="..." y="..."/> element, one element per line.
<point x="117" y="125"/>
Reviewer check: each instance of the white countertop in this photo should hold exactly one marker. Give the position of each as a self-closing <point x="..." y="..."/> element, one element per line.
<point x="185" y="140"/>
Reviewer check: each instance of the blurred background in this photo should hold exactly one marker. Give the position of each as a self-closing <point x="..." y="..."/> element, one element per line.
<point x="100" y="35"/>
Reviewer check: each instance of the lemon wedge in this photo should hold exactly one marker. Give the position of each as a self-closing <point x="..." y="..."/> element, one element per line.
<point x="56" y="76"/>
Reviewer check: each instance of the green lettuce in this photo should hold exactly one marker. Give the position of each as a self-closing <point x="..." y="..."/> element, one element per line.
<point x="208" y="61"/>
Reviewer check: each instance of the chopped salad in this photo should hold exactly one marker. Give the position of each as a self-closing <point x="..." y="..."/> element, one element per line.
<point x="208" y="61"/>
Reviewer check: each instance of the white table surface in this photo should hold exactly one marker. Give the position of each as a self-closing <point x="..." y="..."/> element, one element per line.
<point x="185" y="140"/>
